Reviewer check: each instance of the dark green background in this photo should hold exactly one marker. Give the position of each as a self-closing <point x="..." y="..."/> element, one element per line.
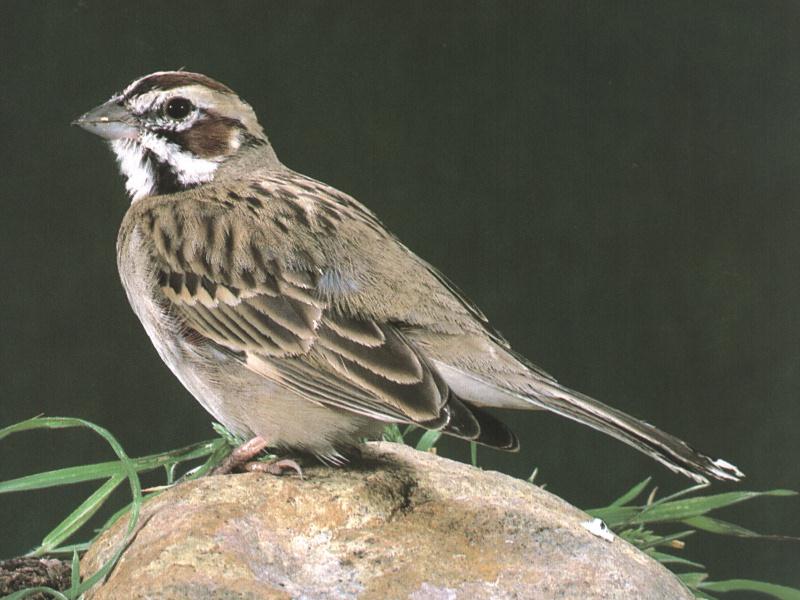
<point x="617" y="185"/>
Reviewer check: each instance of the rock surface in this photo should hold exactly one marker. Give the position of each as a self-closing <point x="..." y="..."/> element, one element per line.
<point x="400" y="524"/>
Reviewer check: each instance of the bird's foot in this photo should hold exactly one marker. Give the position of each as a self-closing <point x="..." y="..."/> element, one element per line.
<point x="240" y="456"/>
<point x="242" y="459"/>
<point x="274" y="467"/>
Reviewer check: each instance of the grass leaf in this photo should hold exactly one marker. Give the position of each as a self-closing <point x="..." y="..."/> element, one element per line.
<point x="632" y="493"/>
<point x="70" y="548"/>
<point x="748" y="585"/>
<point x="78" y="517"/>
<point x="59" y="477"/>
<point x="692" y="579"/>
<point x="75" y="574"/>
<point x="679" y="510"/>
<point x="665" y="540"/>
<point x="392" y="433"/>
<point x="628" y="521"/>
<point x="104" y="470"/>
<point x="615" y="516"/>
<point x="128" y="470"/>
<point x="666" y="559"/>
<point x="702" y="595"/>
<point x="428" y="440"/>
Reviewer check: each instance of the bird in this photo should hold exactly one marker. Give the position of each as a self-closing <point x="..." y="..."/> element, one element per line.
<point x="288" y="310"/>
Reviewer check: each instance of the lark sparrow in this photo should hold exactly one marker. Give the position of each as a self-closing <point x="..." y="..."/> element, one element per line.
<point x="289" y="311"/>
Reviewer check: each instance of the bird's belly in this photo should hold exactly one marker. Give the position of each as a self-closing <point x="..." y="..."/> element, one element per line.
<point x="193" y="366"/>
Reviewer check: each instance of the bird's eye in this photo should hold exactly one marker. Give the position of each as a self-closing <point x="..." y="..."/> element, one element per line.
<point x="178" y="108"/>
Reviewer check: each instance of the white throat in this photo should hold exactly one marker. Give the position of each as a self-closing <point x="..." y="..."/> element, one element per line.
<point x="137" y="158"/>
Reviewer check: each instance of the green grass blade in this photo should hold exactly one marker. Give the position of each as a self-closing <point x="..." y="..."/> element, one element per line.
<point x="473" y="453"/>
<point x="721" y="527"/>
<point x="663" y="540"/>
<point x="169" y="470"/>
<point x="392" y="433"/>
<point x="676" y="508"/>
<point x="219" y="448"/>
<point x="615" y="516"/>
<point x="136" y="493"/>
<point x="109" y="564"/>
<point x="219" y="451"/>
<point x="70" y="548"/>
<point x="117" y="516"/>
<point x="679" y="510"/>
<point x="128" y="470"/>
<point x="75" y="575"/>
<point x="666" y="559"/>
<point x="231" y="438"/>
<point x="631" y="494"/>
<point x="104" y="470"/>
<point x="692" y="580"/>
<point x="428" y="440"/>
<point x="748" y="585"/>
<point x="78" y="517"/>
<point x="681" y="493"/>
<point x="59" y="477"/>
<point x="28" y="424"/>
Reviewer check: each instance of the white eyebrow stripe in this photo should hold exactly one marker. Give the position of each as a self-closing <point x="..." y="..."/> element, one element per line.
<point x="198" y="95"/>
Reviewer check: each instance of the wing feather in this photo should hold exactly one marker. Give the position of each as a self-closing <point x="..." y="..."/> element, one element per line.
<point x="227" y="282"/>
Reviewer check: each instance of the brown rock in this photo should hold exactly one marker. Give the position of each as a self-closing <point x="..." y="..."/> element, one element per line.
<point x="401" y="524"/>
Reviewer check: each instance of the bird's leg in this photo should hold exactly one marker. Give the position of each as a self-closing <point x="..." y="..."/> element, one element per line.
<point x="240" y="456"/>
<point x="241" y="459"/>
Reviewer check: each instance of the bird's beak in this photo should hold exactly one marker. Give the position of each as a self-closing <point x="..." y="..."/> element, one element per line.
<point x="110" y="121"/>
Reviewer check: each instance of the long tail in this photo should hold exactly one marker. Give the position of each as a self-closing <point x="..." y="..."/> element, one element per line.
<point x="537" y="390"/>
<point x="672" y="452"/>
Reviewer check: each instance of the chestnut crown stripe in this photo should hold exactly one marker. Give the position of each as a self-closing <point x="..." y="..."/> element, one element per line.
<point x="172" y="80"/>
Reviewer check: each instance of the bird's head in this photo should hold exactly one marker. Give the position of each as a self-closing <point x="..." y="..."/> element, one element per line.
<point x="171" y="130"/>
